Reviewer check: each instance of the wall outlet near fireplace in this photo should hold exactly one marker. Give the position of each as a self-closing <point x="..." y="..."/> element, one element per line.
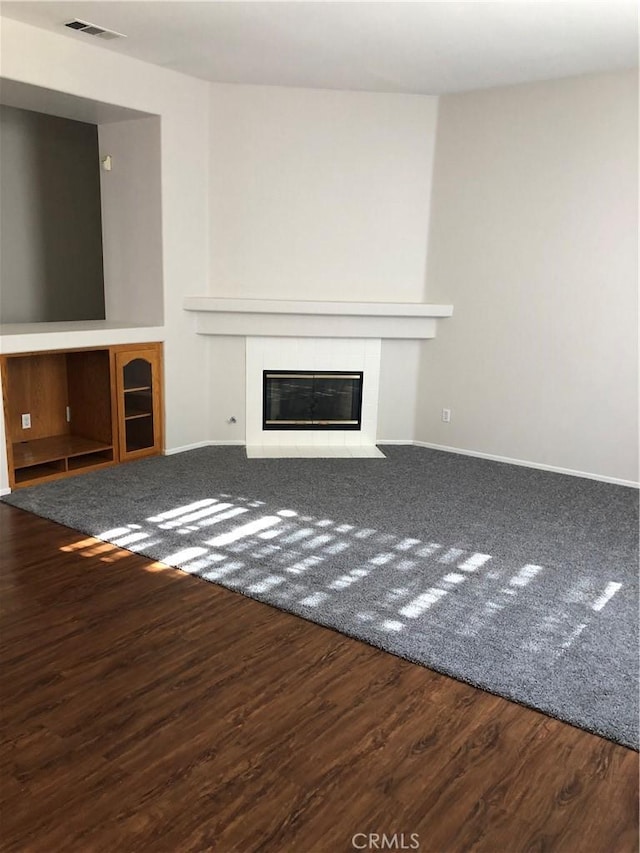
<point x="446" y="415"/>
<point x="26" y="421"/>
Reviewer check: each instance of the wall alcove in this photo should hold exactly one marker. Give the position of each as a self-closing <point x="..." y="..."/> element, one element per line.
<point x="79" y="243"/>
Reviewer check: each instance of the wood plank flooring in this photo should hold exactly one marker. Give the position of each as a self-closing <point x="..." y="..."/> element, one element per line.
<point x="147" y="710"/>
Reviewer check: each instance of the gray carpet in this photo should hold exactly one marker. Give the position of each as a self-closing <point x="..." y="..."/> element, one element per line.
<point x="521" y="582"/>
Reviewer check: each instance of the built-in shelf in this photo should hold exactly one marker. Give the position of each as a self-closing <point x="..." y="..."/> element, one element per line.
<point x="289" y="318"/>
<point x="48" y="458"/>
<point x="37" y="337"/>
<point x="54" y="447"/>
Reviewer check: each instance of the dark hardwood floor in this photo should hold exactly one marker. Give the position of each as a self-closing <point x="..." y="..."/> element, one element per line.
<point x="147" y="710"/>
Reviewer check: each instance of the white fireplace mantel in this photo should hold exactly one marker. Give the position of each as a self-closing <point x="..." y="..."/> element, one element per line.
<point x="288" y="318"/>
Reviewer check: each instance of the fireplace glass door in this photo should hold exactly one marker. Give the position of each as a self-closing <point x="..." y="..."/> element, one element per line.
<point x="305" y="399"/>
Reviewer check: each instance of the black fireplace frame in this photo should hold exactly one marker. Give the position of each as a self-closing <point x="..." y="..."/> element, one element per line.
<point x="313" y="425"/>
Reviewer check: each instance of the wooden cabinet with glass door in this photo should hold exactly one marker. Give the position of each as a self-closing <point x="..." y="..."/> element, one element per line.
<point x="138" y="372"/>
<point x="68" y="411"/>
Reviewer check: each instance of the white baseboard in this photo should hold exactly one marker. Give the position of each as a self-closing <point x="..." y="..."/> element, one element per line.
<point x="4" y="492"/>
<point x="526" y="464"/>
<point x="395" y="441"/>
<point x="213" y="443"/>
<point x="171" y="450"/>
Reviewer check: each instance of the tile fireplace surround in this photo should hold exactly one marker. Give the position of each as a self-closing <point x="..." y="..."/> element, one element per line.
<point x="321" y="354"/>
<point x="319" y="336"/>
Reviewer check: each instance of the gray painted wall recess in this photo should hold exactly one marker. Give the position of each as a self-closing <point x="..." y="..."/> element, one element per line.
<point x="51" y="238"/>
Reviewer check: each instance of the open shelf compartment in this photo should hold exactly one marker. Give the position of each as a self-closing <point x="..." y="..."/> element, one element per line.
<point x="48" y="458"/>
<point x="55" y="447"/>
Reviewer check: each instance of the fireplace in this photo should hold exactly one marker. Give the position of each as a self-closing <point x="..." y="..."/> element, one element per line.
<point x="312" y="400"/>
<point x="346" y="360"/>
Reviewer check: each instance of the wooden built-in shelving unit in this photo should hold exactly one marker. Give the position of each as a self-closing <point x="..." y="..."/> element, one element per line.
<point x="89" y="408"/>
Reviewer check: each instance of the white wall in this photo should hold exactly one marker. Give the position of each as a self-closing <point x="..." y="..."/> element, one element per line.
<point x="131" y="196"/>
<point x="399" y="369"/>
<point x="534" y="239"/>
<point x="37" y="57"/>
<point x="319" y="194"/>
<point x="228" y="396"/>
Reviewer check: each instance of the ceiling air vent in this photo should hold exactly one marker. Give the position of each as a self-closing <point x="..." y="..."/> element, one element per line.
<point x="93" y="30"/>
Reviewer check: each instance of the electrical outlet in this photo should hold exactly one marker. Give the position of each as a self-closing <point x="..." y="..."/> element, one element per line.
<point x="26" y="421"/>
<point x="446" y="415"/>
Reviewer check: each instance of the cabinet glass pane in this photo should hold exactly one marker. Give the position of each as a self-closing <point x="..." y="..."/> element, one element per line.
<point x="139" y="433"/>
<point x="138" y="405"/>
<point x="137" y="374"/>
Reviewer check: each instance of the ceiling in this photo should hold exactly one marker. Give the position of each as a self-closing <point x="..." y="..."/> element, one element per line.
<point x="415" y="47"/>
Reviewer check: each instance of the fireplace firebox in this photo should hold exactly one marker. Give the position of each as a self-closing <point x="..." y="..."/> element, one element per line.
<point x="312" y="399"/>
